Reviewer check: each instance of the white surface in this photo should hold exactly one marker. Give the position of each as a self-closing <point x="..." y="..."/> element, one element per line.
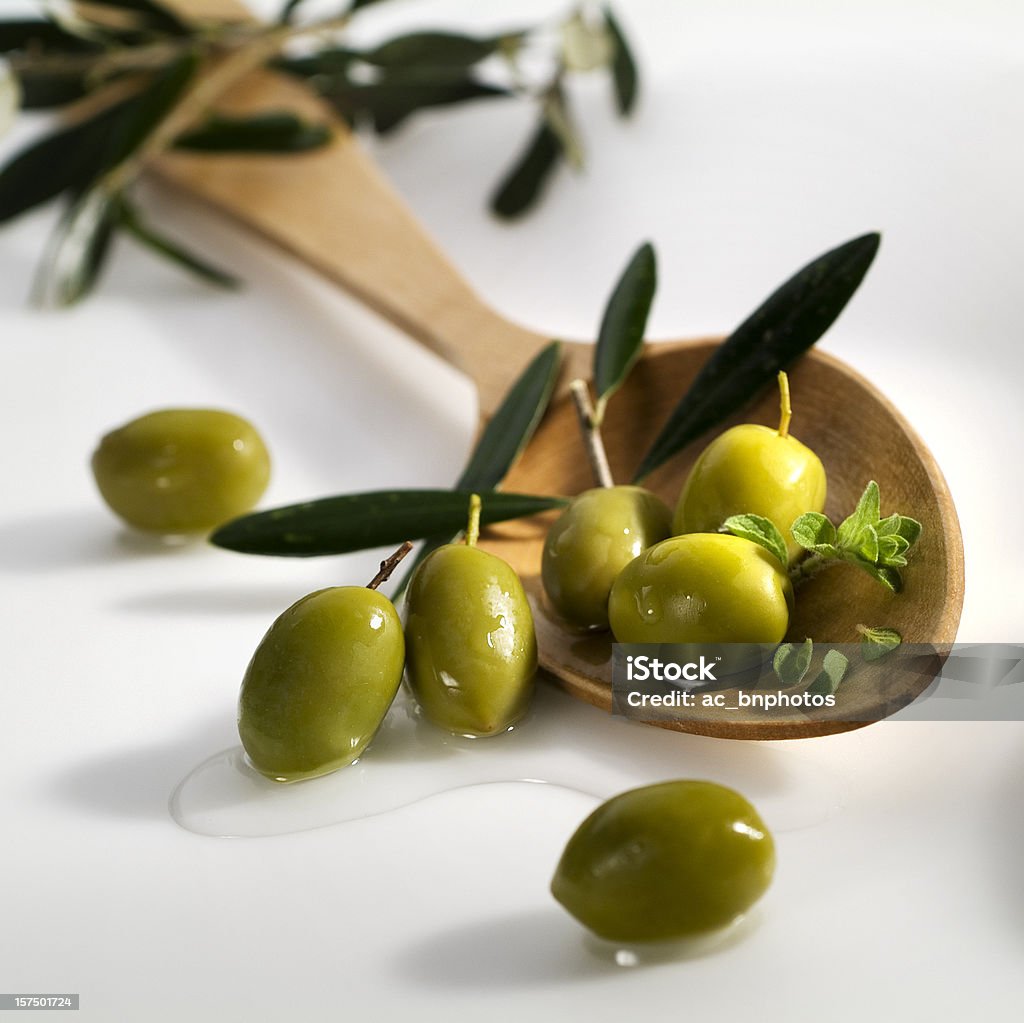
<point x="766" y="134"/>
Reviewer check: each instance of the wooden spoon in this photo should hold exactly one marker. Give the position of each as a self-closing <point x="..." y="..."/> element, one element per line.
<point x="331" y="209"/>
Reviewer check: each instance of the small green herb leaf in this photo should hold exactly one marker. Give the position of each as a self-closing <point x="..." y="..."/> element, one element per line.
<point x="354" y="522"/>
<point x="522" y="185"/>
<point x="866" y="513"/>
<point x="888" y="577"/>
<point x="815" y="532"/>
<point x="878" y="643"/>
<point x="761" y="531"/>
<point x="791" y="663"/>
<point x="621" y="337"/>
<point x="275" y="132"/>
<point x="792" y="319"/>
<point x="833" y="671"/>
<point x="172" y="250"/>
<point x="624" y="71"/>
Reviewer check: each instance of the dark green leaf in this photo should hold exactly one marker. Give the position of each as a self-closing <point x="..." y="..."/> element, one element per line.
<point x="324" y="66"/>
<point x="41" y="36"/>
<point x="432" y="49"/>
<point x="814" y="531"/>
<point x="783" y="327"/>
<point x="288" y="11"/>
<point x="172" y="250"/>
<point x="78" y="250"/>
<point x="44" y="90"/>
<point x="353" y="522"/>
<point x="521" y="187"/>
<point x="389" y="101"/>
<point x="359" y="4"/>
<point x="70" y="158"/>
<point x="153" y="14"/>
<point x="504" y="437"/>
<point x="512" y="425"/>
<point x="877" y="643"/>
<point x="757" y="529"/>
<point x="792" y="662"/>
<point x="275" y="132"/>
<point x="149" y="108"/>
<point x="624" y="71"/>
<point x="833" y="670"/>
<point x="621" y="337"/>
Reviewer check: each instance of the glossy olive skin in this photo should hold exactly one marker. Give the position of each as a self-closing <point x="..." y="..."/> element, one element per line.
<point x="701" y="588"/>
<point x="600" y="533"/>
<point x="320" y="682"/>
<point x="665" y="862"/>
<point x="470" y="641"/>
<point x="751" y="469"/>
<point x="182" y="470"/>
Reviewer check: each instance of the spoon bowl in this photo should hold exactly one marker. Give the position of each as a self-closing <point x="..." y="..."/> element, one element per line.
<point x="332" y="210"/>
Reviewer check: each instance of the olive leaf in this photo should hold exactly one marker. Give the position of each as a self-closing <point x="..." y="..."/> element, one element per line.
<point x="878" y="643"/>
<point x="791" y="662"/>
<point x="433" y="49"/>
<point x="761" y="531"/>
<point x="624" y="70"/>
<point x="132" y="221"/>
<point x="513" y="424"/>
<point x="78" y="250"/>
<point x="503" y="438"/>
<point x="519" y="190"/>
<point x="270" y="132"/>
<point x="354" y="522"/>
<point x="387" y="102"/>
<point x="792" y="319"/>
<point x="40" y="35"/>
<point x="621" y="336"/>
<point x="833" y="671"/>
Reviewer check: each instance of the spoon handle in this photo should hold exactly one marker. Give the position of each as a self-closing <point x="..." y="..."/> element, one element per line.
<point x="332" y="210"/>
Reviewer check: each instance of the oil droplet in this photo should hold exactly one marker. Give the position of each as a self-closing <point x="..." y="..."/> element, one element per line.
<point x="561" y="742"/>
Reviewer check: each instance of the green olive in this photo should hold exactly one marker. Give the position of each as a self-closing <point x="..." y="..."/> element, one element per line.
<point x="600" y="533"/>
<point x="320" y="683"/>
<point x="472" y="651"/>
<point x="182" y="470"/>
<point x="701" y="588"/>
<point x="752" y="469"/>
<point x="665" y="862"/>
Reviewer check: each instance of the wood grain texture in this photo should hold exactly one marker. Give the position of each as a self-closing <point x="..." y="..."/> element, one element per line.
<point x="332" y="210"/>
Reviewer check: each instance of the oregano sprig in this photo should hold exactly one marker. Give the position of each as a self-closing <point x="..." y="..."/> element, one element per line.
<point x="878" y="546"/>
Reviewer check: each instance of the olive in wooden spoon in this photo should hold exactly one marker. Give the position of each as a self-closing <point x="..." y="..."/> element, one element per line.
<point x="332" y="210"/>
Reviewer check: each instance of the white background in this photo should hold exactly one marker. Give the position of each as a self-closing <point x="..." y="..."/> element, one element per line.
<point x="766" y="134"/>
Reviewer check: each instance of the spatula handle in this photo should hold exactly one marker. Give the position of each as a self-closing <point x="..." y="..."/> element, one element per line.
<point x="332" y="209"/>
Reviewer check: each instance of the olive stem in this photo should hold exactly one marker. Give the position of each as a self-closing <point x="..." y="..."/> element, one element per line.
<point x="785" y="406"/>
<point x="473" y="526"/>
<point x="388" y="565"/>
<point x="591" y="434"/>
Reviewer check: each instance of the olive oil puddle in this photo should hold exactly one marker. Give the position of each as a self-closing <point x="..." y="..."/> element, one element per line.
<point x="562" y="742"/>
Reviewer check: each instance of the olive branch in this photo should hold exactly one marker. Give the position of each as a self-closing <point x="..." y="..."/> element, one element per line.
<point x="135" y="78"/>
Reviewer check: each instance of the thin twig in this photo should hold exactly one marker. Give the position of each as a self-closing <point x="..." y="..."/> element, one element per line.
<point x="591" y="434"/>
<point x="388" y="565"/>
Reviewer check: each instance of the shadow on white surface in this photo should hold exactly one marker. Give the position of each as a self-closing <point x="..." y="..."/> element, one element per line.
<point x="135" y="782"/>
<point x="543" y="947"/>
<point x="68" y="540"/>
